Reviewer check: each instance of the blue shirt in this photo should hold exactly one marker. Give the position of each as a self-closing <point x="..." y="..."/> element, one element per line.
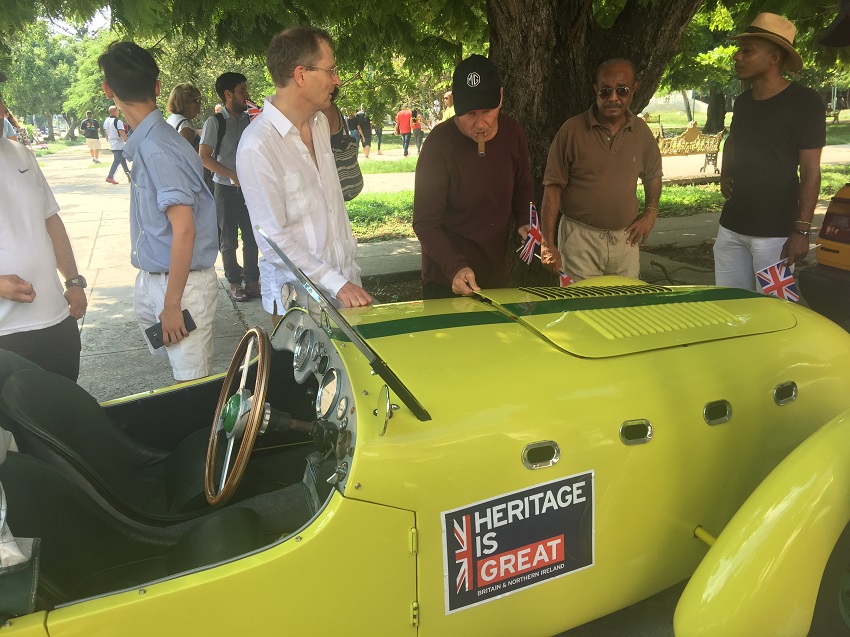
<point x="166" y="172"/>
<point x="8" y="129"/>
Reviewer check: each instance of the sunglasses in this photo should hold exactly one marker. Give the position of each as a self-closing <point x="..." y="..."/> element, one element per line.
<point x="606" y="91"/>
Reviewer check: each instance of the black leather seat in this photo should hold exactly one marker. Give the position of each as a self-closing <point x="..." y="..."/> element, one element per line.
<point x="54" y="417"/>
<point x="87" y="551"/>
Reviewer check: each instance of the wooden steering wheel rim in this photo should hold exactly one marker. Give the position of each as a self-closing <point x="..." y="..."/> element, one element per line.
<point x="255" y="417"/>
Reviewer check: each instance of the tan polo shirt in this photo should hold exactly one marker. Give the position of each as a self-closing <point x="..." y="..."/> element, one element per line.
<point x="599" y="174"/>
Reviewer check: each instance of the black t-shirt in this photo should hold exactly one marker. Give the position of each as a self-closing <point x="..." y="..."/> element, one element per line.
<point x="768" y="136"/>
<point x="89" y="128"/>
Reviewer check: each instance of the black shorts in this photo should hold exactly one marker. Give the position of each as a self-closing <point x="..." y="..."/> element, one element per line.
<point x="55" y="348"/>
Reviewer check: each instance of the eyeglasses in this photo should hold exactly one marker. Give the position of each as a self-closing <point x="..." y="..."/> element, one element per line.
<point x="332" y="72"/>
<point x="606" y="91"/>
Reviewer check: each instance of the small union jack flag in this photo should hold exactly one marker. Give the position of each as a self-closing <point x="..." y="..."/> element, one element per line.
<point x="253" y="110"/>
<point x="778" y="281"/>
<point x="534" y="238"/>
<point x="463" y="556"/>
<point x="565" y="278"/>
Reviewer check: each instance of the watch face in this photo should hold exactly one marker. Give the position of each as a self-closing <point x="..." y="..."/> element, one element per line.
<point x="77" y="280"/>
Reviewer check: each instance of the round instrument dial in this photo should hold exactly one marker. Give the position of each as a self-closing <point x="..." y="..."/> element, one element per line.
<point x="305" y="343"/>
<point x="341" y="408"/>
<point x="328" y="391"/>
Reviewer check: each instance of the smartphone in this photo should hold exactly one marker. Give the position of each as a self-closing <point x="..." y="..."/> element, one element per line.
<point x="154" y="332"/>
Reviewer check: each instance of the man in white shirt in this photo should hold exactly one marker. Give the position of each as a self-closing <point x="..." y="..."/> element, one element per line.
<point x="288" y="174"/>
<point x="116" y="135"/>
<point x="38" y="319"/>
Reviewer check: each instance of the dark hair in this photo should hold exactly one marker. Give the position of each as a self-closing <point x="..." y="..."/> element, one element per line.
<point x="130" y="71"/>
<point x="293" y="47"/>
<point x="614" y="61"/>
<point x="228" y="82"/>
<point x="415" y="113"/>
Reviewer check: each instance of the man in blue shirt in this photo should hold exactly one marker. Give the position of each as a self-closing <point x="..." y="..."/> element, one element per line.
<point x="172" y="216"/>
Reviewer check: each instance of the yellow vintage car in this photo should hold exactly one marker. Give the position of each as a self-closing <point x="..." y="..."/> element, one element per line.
<point x="516" y="463"/>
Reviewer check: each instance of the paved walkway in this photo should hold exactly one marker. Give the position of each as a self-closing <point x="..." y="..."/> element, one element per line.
<point x="115" y="360"/>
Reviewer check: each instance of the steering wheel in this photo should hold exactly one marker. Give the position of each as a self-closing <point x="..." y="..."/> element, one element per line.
<point x="239" y="415"/>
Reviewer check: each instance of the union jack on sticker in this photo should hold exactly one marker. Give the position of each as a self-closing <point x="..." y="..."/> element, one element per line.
<point x="777" y="280"/>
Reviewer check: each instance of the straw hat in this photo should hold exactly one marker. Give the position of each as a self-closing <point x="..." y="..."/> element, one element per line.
<point x="778" y="30"/>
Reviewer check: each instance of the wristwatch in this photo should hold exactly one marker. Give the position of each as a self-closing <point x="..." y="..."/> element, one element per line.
<point x="79" y="281"/>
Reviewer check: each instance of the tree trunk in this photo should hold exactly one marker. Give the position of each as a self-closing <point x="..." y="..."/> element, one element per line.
<point x="51" y="137"/>
<point x="687" y="102"/>
<point x="716" y="117"/>
<point x="73" y="122"/>
<point x="547" y="52"/>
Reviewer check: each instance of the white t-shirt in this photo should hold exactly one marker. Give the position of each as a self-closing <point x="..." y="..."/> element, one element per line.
<point x="112" y="134"/>
<point x="176" y="118"/>
<point x="25" y="248"/>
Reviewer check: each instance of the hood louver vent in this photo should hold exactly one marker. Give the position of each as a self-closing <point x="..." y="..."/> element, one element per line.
<point x="578" y="292"/>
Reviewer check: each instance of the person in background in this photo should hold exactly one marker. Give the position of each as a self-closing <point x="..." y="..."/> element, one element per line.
<point x="116" y="135"/>
<point x="184" y="102"/>
<point x="90" y="128"/>
<point x="8" y="129"/>
<point x="448" y="106"/>
<point x="172" y="222"/>
<point x="364" y="128"/>
<point x="344" y="148"/>
<point x="232" y="88"/>
<point x="402" y="127"/>
<point x="416" y="128"/>
<point x="378" y="124"/>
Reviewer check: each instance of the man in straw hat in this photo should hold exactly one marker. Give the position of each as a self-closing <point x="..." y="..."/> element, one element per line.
<point x="777" y="126"/>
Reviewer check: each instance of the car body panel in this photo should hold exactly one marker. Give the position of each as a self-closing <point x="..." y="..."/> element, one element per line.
<point x="651" y="495"/>
<point x="776" y="547"/>
<point x="290" y="584"/>
<point x="32" y="625"/>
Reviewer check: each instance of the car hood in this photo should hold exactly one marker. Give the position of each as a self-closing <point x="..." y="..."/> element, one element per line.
<point x="610" y="317"/>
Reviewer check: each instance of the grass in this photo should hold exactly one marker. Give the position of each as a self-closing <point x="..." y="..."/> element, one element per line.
<point x="404" y="165"/>
<point x="833" y="177"/>
<point x="62" y="144"/>
<point x="838" y="133"/>
<point x="381" y="216"/>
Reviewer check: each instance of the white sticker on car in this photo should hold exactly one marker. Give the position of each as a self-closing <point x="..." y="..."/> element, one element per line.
<point x="499" y="546"/>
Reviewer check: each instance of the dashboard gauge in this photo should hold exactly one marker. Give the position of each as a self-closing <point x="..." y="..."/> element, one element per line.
<point x="328" y="390"/>
<point x="341" y="408"/>
<point x="305" y="343"/>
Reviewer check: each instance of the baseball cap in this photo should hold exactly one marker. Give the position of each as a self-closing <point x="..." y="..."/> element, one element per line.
<point x="476" y="85"/>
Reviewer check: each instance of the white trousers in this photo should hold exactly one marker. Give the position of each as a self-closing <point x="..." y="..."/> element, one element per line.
<point x="737" y="258"/>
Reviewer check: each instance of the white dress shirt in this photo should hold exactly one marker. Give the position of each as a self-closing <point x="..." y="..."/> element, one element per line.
<point x="298" y="205"/>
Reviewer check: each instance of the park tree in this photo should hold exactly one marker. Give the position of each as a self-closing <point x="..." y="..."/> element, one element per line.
<point x="44" y="65"/>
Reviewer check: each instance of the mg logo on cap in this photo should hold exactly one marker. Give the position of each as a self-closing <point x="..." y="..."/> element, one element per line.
<point x="473" y="80"/>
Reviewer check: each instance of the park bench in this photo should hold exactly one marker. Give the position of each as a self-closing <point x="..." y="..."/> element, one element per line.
<point x="654" y="123"/>
<point x="833" y="114"/>
<point x="692" y="142"/>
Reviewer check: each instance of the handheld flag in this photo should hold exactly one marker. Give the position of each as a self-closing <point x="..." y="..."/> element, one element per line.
<point x="777" y="280"/>
<point x="253" y="110"/>
<point x="534" y="237"/>
<point x="565" y="278"/>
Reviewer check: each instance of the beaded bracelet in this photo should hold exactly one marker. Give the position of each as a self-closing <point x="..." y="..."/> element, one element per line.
<point x="805" y="233"/>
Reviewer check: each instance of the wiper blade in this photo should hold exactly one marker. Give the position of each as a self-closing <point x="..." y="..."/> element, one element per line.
<point x="375" y="361"/>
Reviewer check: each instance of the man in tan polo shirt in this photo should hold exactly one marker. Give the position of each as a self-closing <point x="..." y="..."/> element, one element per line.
<point x="591" y="178"/>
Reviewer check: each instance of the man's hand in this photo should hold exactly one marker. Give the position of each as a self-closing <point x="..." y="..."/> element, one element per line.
<point x="640" y="228"/>
<point x="464" y="282"/>
<point x="795" y="249"/>
<point x="77" y="301"/>
<point x="173" y="327"/>
<point x="550" y="257"/>
<point x="14" y="288"/>
<point x="353" y="295"/>
<point x="522" y="231"/>
<point x="235" y="179"/>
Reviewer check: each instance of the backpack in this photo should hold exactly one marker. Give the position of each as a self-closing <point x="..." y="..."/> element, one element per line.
<point x="208" y="174"/>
